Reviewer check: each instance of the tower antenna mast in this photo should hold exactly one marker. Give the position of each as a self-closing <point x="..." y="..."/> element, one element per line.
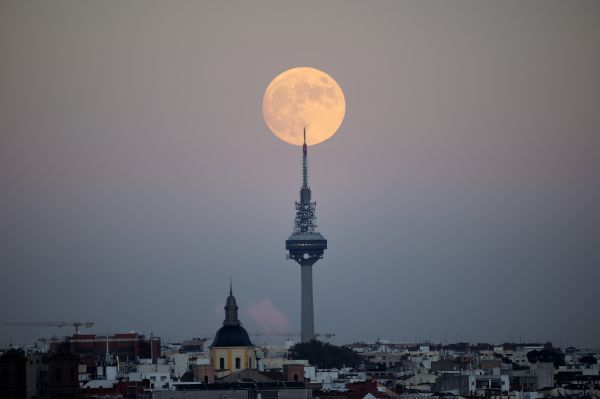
<point x="304" y="163"/>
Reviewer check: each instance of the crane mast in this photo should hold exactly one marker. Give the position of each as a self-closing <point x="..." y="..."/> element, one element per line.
<point x="75" y="324"/>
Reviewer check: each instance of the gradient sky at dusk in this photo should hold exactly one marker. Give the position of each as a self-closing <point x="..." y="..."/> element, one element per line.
<point x="460" y="197"/>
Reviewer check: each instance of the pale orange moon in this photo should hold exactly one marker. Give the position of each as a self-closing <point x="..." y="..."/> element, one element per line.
<point x="304" y="97"/>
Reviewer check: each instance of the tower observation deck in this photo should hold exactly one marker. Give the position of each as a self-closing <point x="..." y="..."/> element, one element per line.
<point x="306" y="247"/>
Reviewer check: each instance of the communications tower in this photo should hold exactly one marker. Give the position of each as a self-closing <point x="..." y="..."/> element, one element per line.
<point x="306" y="246"/>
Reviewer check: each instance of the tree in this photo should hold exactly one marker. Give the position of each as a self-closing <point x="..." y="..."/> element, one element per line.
<point x="588" y="360"/>
<point x="324" y="355"/>
<point x="547" y="355"/>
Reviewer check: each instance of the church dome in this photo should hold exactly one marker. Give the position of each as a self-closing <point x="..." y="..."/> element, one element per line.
<point x="228" y="336"/>
<point x="232" y="333"/>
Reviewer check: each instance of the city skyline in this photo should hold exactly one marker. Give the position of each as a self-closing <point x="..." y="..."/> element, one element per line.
<point x="460" y="194"/>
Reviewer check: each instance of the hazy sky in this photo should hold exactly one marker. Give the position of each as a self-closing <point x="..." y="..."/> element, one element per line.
<point x="460" y="198"/>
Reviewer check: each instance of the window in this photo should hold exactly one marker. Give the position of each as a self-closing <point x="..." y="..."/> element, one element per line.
<point x="58" y="374"/>
<point x="249" y="362"/>
<point x="222" y="363"/>
<point x="238" y="363"/>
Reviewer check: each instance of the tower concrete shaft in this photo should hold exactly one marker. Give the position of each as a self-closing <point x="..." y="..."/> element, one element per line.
<point x="306" y="247"/>
<point x="307" y="316"/>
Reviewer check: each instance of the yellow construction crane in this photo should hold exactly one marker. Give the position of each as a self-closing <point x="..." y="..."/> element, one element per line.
<point x="75" y="324"/>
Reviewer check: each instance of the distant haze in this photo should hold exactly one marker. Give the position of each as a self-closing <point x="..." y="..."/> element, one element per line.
<point x="460" y="197"/>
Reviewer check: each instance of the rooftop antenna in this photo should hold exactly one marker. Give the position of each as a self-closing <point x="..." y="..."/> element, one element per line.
<point x="107" y="356"/>
<point x="152" y="347"/>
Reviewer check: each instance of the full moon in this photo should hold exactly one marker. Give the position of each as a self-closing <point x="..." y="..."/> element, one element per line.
<point x="304" y="98"/>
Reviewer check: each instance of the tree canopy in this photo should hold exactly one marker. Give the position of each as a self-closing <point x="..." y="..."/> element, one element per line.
<point x="588" y="360"/>
<point x="548" y="354"/>
<point x="324" y="355"/>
